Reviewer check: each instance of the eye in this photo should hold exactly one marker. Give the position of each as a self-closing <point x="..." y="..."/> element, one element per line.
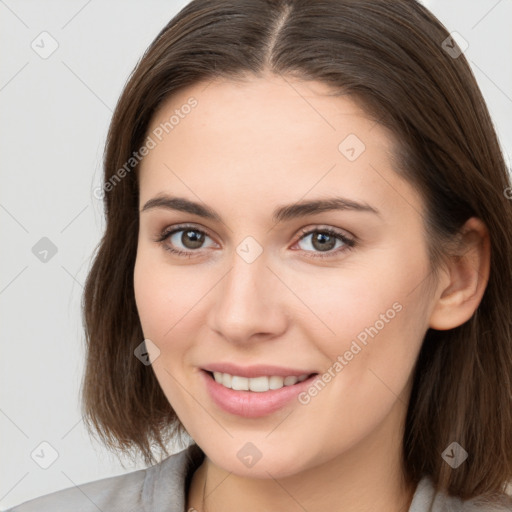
<point x="189" y="237"/>
<point x="323" y="240"/>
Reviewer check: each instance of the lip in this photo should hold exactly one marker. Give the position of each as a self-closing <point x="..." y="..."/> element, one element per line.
<point x="252" y="404"/>
<point x="258" y="370"/>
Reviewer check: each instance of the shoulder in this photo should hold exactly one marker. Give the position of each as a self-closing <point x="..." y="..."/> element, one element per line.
<point x="136" y="491"/>
<point x="426" y="499"/>
<point x="109" y="494"/>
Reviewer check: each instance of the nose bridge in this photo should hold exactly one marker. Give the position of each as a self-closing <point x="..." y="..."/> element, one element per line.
<point x="247" y="300"/>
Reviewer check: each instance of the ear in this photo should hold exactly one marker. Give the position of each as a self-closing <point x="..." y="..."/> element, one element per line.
<point x="466" y="279"/>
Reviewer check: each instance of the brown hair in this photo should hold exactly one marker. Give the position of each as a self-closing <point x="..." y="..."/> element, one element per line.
<point x="390" y="57"/>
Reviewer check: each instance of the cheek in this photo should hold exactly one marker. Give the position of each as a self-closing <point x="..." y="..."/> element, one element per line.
<point x="171" y="302"/>
<point x="148" y="295"/>
<point x="343" y="302"/>
<point x="379" y="318"/>
<point x="161" y="301"/>
<point x="161" y="294"/>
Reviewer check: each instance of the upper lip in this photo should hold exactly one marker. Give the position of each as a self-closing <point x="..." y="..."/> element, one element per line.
<point x="257" y="370"/>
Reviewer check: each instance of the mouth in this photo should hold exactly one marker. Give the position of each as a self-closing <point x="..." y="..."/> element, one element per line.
<point x="261" y="384"/>
<point x="259" y="401"/>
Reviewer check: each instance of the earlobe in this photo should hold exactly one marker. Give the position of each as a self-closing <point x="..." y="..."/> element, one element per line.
<point x="468" y="273"/>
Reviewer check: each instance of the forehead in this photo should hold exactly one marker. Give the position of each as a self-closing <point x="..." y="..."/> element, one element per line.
<point x="274" y="138"/>
<point x="255" y="108"/>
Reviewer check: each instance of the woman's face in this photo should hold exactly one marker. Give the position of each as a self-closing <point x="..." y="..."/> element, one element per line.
<point x="262" y="282"/>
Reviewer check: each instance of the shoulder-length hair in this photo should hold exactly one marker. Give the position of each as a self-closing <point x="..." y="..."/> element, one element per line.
<point x="401" y="65"/>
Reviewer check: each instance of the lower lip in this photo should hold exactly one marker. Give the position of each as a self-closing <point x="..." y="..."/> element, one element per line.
<point x="253" y="404"/>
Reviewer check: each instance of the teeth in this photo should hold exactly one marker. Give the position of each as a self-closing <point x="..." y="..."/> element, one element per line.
<point x="258" y="384"/>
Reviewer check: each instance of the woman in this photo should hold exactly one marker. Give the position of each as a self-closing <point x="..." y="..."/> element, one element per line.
<point x="306" y="268"/>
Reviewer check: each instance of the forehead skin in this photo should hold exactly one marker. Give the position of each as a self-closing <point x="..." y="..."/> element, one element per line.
<point x="276" y="139"/>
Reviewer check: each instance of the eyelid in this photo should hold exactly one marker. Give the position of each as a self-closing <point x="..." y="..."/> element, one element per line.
<point x="326" y="227"/>
<point x="303" y="231"/>
<point x="170" y="230"/>
<point x="350" y="241"/>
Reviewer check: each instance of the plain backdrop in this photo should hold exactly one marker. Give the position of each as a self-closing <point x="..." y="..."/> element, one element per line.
<point x="55" y="111"/>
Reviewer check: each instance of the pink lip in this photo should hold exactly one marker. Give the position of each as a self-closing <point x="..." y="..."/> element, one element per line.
<point x="257" y="370"/>
<point x="252" y="404"/>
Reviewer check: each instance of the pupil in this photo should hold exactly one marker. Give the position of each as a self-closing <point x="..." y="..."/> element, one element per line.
<point x="320" y="239"/>
<point x="192" y="239"/>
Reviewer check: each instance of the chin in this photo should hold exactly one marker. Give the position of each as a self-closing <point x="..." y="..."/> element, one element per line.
<point x="259" y="459"/>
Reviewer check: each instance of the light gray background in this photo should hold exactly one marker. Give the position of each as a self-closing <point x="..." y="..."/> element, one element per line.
<point x="54" y="118"/>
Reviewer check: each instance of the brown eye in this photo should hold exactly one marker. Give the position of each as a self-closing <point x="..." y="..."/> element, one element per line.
<point x="191" y="238"/>
<point x="324" y="241"/>
<point x="183" y="240"/>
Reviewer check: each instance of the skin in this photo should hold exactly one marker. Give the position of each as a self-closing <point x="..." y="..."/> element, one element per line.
<point x="246" y="148"/>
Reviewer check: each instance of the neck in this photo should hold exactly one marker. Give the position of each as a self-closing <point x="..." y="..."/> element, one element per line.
<point x="368" y="477"/>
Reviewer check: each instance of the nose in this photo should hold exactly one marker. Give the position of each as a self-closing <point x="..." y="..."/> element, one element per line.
<point x="249" y="303"/>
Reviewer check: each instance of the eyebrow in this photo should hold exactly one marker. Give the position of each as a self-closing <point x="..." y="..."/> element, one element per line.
<point x="280" y="214"/>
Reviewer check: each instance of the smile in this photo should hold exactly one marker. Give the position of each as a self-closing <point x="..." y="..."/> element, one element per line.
<point x="257" y="384"/>
<point x="260" y="401"/>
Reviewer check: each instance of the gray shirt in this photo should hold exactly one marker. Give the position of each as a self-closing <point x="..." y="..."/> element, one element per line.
<point x="163" y="488"/>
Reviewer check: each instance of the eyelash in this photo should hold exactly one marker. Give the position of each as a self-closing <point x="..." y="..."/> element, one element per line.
<point x="349" y="243"/>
